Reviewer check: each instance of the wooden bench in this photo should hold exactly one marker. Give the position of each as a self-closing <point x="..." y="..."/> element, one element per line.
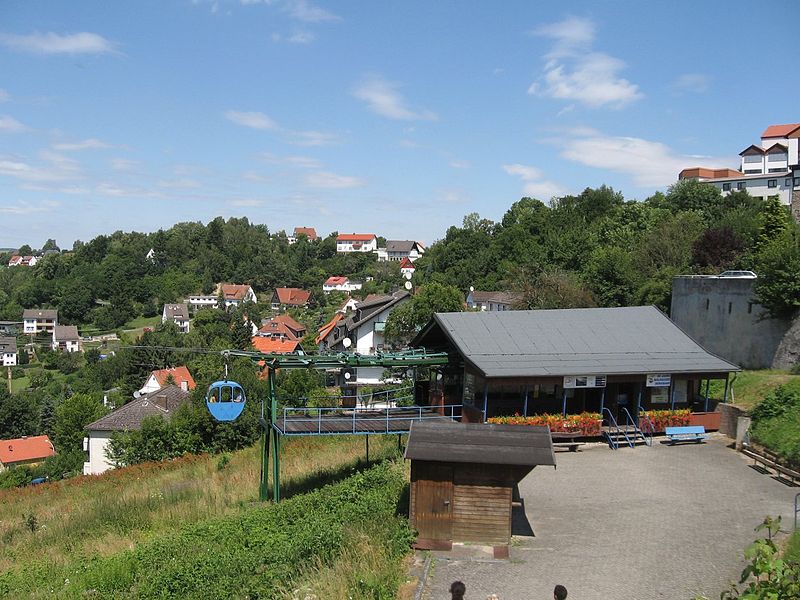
<point x="690" y="433"/>
<point x="566" y="439"/>
<point x="770" y="460"/>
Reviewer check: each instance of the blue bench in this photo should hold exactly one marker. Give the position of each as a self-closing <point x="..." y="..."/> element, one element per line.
<point x="691" y="433"/>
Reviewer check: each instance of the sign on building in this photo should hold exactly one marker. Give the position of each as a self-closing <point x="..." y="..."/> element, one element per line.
<point x="584" y="381"/>
<point x="659" y="380"/>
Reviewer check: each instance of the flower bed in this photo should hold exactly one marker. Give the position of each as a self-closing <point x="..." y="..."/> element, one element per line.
<point x="586" y="424"/>
<point x="665" y="418"/>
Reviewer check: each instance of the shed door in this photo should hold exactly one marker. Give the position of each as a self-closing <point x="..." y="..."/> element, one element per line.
<point x="434" y="502"/>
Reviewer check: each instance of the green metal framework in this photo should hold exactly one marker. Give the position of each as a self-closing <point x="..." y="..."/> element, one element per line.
<point x="271" y="436"/>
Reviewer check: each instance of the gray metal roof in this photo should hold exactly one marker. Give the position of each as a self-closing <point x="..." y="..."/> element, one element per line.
<point x="583" y="341"/>
<point x="480" y="443"/>
<point x="164" y="402"/>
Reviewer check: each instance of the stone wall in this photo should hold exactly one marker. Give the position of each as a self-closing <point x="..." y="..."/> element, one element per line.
<point x="730" y="418"/>
<point x="796" y="205"/>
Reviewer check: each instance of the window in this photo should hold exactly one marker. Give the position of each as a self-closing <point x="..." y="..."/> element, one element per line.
<point x="777" y="157"/>
<point x="771" y="183"/>
<point x="752" y="171"/>
<point x="797" y="181"/>
<point x="726" y="187"/>
<point x="777" y="170"/>
<point x="788" y="182"/>
<point x="730" y="307"/>
<point x="752" y="158"/>
<point x="741" y="185"/>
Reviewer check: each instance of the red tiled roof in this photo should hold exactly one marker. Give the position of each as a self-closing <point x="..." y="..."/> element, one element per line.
<point x="179" y="375"/>
<point x="328" y="327"/>
<point x="292" y="296"/>
<point x="283" y="325"/>
<point x="336" y="280"/>
<point x="270" y="346"/>
<point x="406" y="263"/>
<point x="289" y="322"/>
<point x="780" y="130"/>
<point x="707" y="173"/>
<point x="234" y="292"/>
<point x="27" y="448"/>
<point x="309" y="232"/>
<point x="355" y="237"/>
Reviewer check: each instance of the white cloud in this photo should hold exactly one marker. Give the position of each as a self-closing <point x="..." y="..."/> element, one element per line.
<point x="4" y="96"/>
<point x="327" y="180"/>
<point x="26" y="208"/>
<point x="179" y="184"/>
<point x="301" y="37"/>
<point x="302" y="10"/>
<point x="574" y="72"/>
<point x="124" y="164"/>
<point x="54" y="43"/>
<point x="650" y="164"/>
<point x="536" y="185"/>
<point x="691" y="83"/>
<point x="122" y="191"/>
<point x="383" y="98"/>
<point x="311" y="138"/>
<point x="59" y="168"/>
<point x="301" y="162"/>
<point x="254" y="120"/>
<point x="90" y="144"/>
<point x="247" y="202"/>
<point x="11" y="125"/>
<point x="460" y="164"/>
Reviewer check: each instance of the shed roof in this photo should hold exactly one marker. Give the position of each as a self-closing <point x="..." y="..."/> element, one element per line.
<point x="164" y="402"/>
<point x="179" y="375"/>
<point x="581" y="341"/>
<point x="293" y="296"/>
<point x="480" y="443"/>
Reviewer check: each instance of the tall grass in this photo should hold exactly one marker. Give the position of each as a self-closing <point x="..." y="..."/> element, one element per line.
<point x="101" y="515"/>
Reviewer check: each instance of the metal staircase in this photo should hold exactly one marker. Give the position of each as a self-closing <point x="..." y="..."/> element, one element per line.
<point x="628" y="433"/>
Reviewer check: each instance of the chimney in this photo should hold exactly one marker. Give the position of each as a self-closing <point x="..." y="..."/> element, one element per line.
<point x="185" y="385"/>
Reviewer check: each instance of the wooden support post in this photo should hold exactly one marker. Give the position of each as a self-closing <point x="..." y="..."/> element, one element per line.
<point x="366" y="438"/>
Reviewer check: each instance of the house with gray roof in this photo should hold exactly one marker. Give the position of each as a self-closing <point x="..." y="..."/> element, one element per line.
<point x="397" y="250"/>
<point x="491" y="301"/>
<point x="619" y="360"/>
<point x="178" y="314"/>
<point x="8" y="351"/>
<point x="66" y="338"/>
<point x="128" y="417"/>
<point x="39" y="320"/>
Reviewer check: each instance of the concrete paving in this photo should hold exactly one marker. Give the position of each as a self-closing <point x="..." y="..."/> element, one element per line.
<point x="665" y="522"/>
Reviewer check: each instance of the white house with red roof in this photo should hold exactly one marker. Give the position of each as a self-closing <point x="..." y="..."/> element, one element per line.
<point x="23" y="261"/>
<point x="771" y="168"/>
<point x="356" y="242"/>
<point x="340" y="284"/>
<point x="237" y="294"/>
<point x="27" y="450"/>
<point x="286" y="297"/>
<point x="309" y="232"/>
<point x="407" y="267"/>
<point x="181" y="378"/>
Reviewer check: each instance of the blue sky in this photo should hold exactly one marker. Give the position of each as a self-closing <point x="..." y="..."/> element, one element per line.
<point x="394" y="118"/>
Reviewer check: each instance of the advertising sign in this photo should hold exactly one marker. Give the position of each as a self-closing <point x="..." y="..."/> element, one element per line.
<point x="584" y="381"/>
<point x="659" y="379"/>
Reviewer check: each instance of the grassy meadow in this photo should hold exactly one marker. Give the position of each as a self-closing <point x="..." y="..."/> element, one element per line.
<point x="58" y="528"/>
<point x="750" y="387"/>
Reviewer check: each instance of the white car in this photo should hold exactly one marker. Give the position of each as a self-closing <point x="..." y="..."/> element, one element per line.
<point x="739" y="274"/>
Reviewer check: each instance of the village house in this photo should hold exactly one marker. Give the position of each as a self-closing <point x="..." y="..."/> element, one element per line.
<point x="10" y="327"/>
<point x="199" y="301"/>
<point x="39" y="320"/>
<point x="8" y="351"/>
<point x="27" y="450"/>
<point x="23" y="261"/>
<point x="235" y="295"/>
<point x="356" y="242"/>
<point x="269" y="345"/>
<point x="162" y="402"/>
<point x="177" y="376"/>
<point x="283" y="298"/>
<point x="364" y="329"/>
<point x="397" y="250"/>
<point x="66" y="338"/>
<point x="309" y="232"/>
<point x="282" y="327"/>
<point x="340" y="284"/>
<point x="491" y="301"/>
<point x="771" y="168"/>
<point x="407" y="267"/>
<point x="178" y="314"/>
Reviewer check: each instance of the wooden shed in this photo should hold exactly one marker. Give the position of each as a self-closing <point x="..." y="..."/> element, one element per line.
<point x="463" y="477"/>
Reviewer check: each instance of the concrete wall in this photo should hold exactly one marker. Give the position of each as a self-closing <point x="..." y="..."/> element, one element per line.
<point x="730" y="418"/>
<point x="721" y="315"/>
<point x="98" y="461"/>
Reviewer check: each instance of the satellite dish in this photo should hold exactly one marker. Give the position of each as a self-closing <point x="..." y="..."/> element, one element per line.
<point x="438" y="377"/>
<point x="407" y="275"/>
<point x="137" y="393"/>
<point x="471" y="288"/>
<point x="347" y="375"/>
<point x="347" y="342"/>
<point x="408" y="285"/>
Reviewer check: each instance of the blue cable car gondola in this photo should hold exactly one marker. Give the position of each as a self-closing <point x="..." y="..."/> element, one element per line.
<point x="225" y="400"/>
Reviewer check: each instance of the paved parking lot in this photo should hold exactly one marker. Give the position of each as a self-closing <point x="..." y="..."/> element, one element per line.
<point x="645" y="523"/>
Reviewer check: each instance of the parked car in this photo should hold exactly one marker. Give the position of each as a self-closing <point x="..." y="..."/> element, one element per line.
<point x="739" y="274"/>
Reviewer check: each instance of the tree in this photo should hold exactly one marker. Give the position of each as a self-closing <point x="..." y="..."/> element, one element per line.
<point x="71" y="417"/>
<point x="18" y="415"/>
<point x="25" y="250"/>
<point x="550" y="288"/>
<point x="778" y="266"/>
<point x="717" y="248"/>
<point x="775" y="219"/>
<point x="410" y="317"/>
<point x="50" y="244"/>
<point x="692" y="195"/>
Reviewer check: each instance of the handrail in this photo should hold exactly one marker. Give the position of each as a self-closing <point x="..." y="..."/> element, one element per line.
<point x="613" y="423"/>
<point x="651" y="426"/>
<point x="631" y="422"/>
